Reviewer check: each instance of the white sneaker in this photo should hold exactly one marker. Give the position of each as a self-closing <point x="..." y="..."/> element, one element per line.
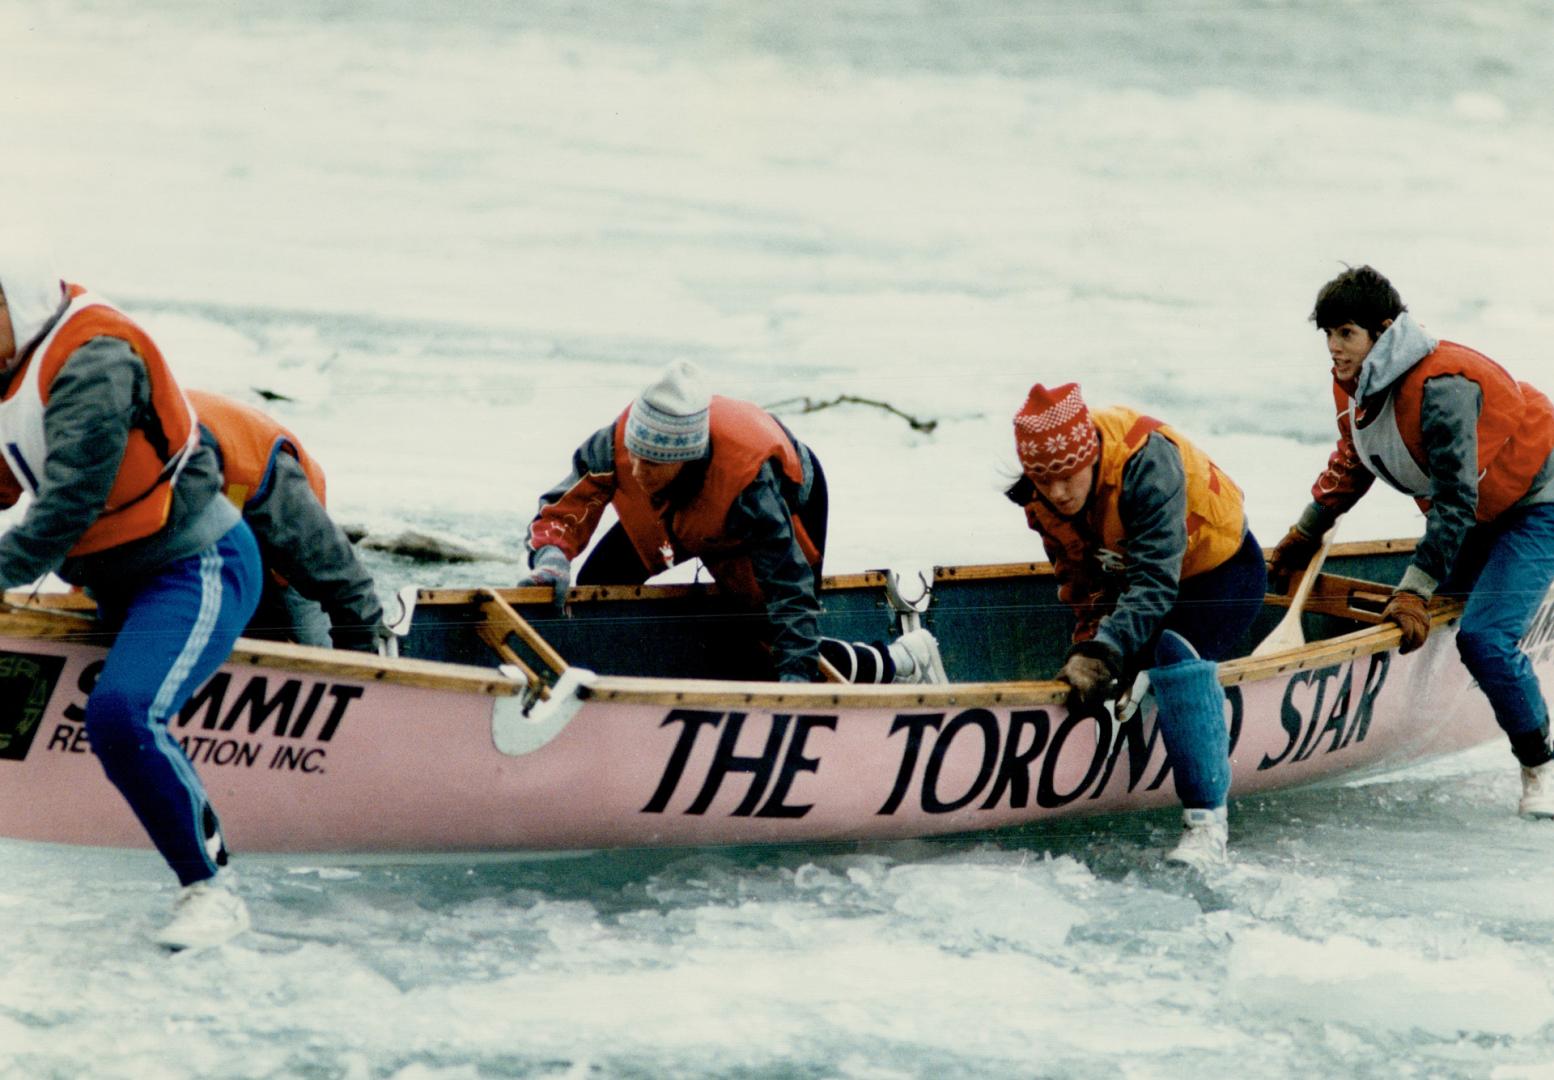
<point x="1538" y="792"/>
<point x="1203" y="843"/>
<point x="923" y="650"/>
<point x="206" y="914"/>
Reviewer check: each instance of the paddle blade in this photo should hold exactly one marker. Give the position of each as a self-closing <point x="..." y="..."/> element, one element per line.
<point x="1287" y="635"/>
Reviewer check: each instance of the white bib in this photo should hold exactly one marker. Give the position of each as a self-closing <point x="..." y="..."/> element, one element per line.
<point x="1382" y="450"/>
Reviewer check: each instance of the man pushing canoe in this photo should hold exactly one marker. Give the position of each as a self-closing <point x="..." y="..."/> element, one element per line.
<point x="126" y="502"/>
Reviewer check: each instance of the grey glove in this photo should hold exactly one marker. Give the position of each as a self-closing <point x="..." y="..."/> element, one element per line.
<point x="550" y="566"/>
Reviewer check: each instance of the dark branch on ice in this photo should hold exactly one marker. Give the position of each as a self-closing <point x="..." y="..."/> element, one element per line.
<point x="809" y="405"/>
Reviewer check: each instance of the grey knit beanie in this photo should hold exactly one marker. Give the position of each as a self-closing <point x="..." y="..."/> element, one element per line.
<point x="668" y="422"/>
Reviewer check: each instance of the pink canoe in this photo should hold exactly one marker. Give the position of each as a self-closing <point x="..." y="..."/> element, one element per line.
<point x="468" y="741"/>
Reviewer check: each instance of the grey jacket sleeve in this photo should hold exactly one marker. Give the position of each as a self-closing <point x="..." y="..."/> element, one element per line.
<point x="1153" y="507"/>
<point x="761" y="519"/>
<point x="92" y="403"/>
<point x="300" y="541"/>
<point x="1448" y="421"/>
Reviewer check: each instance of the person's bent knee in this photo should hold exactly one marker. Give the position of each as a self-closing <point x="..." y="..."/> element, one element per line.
<point x="1482" y="647"/>
<point x="116" y="720"/>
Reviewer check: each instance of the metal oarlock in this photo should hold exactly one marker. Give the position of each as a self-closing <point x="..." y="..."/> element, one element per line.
<point x="524" y="724"/>
<point x="399" y="625"/>
<point x="910" y="611"/>
<point x="1132" y="703"/>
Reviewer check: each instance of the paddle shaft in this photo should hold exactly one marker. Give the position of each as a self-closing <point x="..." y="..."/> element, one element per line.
<point x="1289" y="634"/>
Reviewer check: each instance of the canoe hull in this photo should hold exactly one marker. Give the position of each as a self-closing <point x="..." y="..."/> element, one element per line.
<point x="316" y="762"/>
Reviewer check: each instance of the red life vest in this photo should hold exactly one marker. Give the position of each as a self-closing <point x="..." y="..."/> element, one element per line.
<point x="142" y="492"/>
<point x="1515" y="429"/>
<point x="743" y="438"/>
<point x="249" y="441"/>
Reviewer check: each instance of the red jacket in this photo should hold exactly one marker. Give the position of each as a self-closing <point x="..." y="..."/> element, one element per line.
<point x="1515" y="434"/>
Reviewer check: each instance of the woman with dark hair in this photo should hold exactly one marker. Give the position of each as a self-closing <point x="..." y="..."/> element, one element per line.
<point x="1475" y="448"/>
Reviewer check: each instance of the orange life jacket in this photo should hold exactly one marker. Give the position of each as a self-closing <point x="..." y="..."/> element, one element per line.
<point x="1097" y="542"/>
<point x="142" y="494"/>
<point x="249" y="441"/>
<point x="743" y="438"/>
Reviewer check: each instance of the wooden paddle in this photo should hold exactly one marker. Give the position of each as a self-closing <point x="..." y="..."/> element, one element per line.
<point x="502" y="620"/>
<point x="1289" y="634"/>
<point x="828" y="670"/>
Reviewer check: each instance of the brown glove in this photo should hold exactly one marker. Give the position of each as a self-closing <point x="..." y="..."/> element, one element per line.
<point x="1091" y="670"/>
<point x="1408" y="611"/>
<point x="1290" y="559"/>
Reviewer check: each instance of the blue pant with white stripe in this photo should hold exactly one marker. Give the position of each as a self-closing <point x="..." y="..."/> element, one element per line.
<point x="175" y="629"/>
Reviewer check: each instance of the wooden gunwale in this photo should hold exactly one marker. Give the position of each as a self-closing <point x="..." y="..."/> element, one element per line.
<point x="541" y="594"/>
<point x="54" y="624"/>
<point x="985" y="571"/>
<point x="869" y="579"/>
<point x="50" y="616"/>
<point x="689" y="693"/>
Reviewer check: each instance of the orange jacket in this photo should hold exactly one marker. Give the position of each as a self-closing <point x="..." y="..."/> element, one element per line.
<point x="142" y="492"/>
<point x="249" y="441"/>
<point x="1515" y="427"/>
<point x="1089" y="552"/>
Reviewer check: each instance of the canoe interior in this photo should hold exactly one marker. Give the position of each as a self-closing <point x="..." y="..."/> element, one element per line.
<point x="993" y="623"/>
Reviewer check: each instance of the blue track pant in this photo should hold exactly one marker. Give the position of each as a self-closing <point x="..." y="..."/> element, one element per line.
<point x="1504" y="571"/>
<point x="175" y="628"/>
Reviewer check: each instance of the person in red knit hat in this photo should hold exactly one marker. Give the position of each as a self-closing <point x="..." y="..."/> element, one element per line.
<point x="1150" y="545"/>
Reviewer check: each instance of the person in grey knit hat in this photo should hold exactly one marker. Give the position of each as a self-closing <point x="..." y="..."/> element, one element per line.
<point x="695" y="475"/>
<point x="668" y="422"/>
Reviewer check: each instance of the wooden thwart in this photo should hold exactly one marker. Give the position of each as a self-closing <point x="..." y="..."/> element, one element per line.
<point x="1345" y="597"/>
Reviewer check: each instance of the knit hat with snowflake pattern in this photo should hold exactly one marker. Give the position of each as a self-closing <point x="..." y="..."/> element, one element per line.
<point x="668" y="422"/>
<point x="1053" y="433"/>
